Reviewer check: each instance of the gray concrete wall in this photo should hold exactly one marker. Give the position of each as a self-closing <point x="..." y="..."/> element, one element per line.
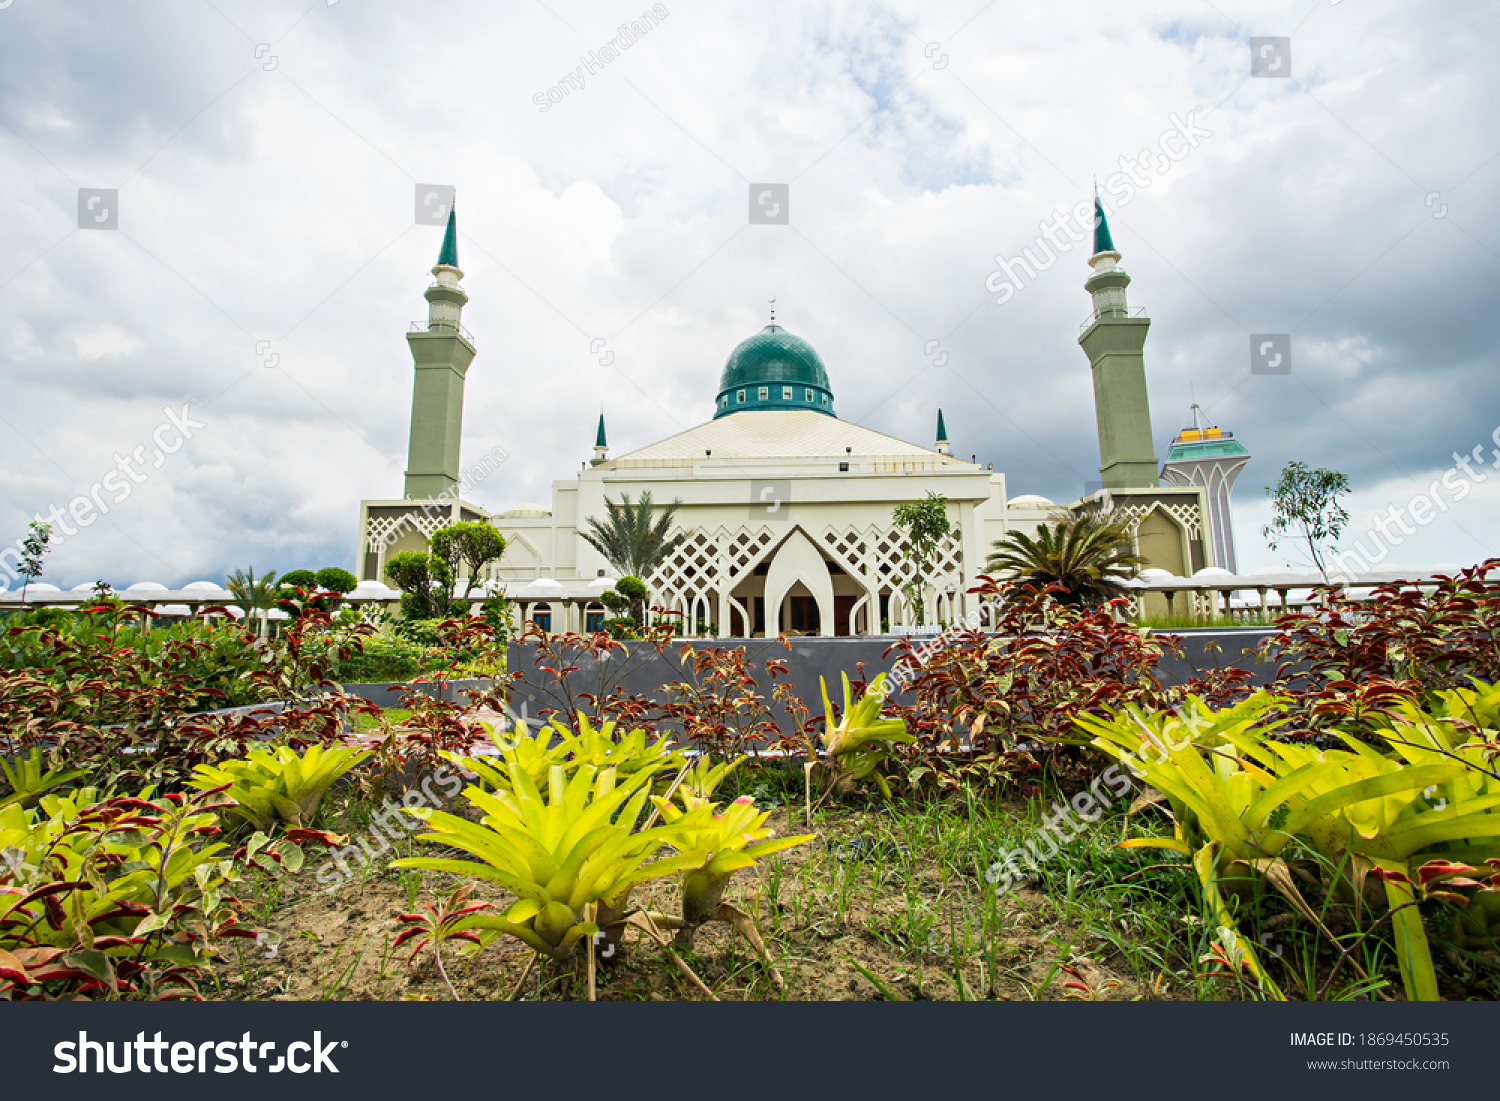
<point x="639" y="668"/>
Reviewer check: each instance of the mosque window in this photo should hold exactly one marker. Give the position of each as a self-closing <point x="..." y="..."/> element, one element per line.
<point x="765" y="392"/>
<point x="739" y="399"/>
<point x="807" y="395"/>
<point x="541" y="615"/>
<point x="786" y="393"/>
<point x="724" y="402"/>
<point x="825" y="399"/>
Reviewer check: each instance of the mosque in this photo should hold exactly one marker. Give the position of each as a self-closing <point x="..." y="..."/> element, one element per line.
<point x="787" y="507"/>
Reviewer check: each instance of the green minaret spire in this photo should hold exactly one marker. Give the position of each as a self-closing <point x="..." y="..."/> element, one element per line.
<point x="1103" y="242"/>
<point x="448" y="254"/>
<point x="942" y="436"/>
<point x="601" y="448"/>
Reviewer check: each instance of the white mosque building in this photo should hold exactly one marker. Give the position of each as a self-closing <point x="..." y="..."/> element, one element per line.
<point x="788" y="507"/>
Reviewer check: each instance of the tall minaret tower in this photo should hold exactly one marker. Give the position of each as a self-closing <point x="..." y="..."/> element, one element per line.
<point x="1113" y="340"/>
<point x="441" y="352"/>
<point x="1204" y="455"/>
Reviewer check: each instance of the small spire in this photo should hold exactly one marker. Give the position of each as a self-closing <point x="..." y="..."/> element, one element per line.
<point x="599" y="439"/>
<point x="773" y="309"/>
<point x="1103" y="242"/>
<point x="448" y="254"/>
<point x="942" y="436"/>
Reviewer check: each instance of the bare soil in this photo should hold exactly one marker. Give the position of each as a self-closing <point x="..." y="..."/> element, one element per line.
<point x="829" y="915"/>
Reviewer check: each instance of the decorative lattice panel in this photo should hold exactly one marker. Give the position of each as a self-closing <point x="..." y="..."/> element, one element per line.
<point x="703" y="564"/>
<point x="1186" y="514"/>
<point x="382" y="530"/>
<point x="880" y="557"/>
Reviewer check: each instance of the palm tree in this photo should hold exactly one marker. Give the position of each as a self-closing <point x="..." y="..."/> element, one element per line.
<point x="629" y="540"/>
<point x="254" y="594"/>
<point x="1088" y="554"/>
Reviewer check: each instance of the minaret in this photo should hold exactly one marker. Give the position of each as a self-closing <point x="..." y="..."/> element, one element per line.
<point x="441" y="352"/>
<point x="1113" y="340"/>
<point x="601" y="449"/>
<point x="1207" y="456"/>
<point x="942" y="436"/>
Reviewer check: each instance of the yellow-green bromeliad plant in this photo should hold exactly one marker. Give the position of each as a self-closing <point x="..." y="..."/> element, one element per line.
<point x="1238" y="800"/>
<point x="278" y="785"/>
<point x="556" y="744"/>
<point x="727" y="840"/>
<point x="570" y="852"/>
<point x="855" y="746"/>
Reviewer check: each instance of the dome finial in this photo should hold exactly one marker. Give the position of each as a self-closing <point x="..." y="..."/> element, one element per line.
<point x="773" y="309"/>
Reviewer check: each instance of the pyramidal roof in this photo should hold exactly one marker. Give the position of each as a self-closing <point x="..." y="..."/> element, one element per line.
<point x="1103" y="242"/>
<point x="448" y="254"/>
<point x="781" y="434"/>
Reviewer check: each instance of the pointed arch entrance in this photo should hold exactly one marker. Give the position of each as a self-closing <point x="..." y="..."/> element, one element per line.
<point x="799" y="563"/>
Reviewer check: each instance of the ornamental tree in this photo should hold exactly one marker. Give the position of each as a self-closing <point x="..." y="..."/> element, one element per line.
<point x="926" y="525"/>
<point x="472" y="543"/>
<point x="1307" y="511"/>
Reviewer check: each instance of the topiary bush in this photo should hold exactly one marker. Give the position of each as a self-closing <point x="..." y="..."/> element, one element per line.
<point x="336" y="579"/>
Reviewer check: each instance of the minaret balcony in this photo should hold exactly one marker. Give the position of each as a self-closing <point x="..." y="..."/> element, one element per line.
<point x="1104" y="312"/>
<point x="442" y="328"/>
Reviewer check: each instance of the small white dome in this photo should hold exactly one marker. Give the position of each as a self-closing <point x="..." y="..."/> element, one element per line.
<point x="204" y="586"/>
<point x="235" y="612"/>
<point x="42" y="587"/>
<point x="147" y="587"/>
<point x="543" y="588"/>
<point x="1031" y="500"/>
<point x="1155" y="574"/>
<point x="1213" y="571"/>
<point x="370" y="589"/>
<point x="175" y="609"/>
<point x="601" y="585"/>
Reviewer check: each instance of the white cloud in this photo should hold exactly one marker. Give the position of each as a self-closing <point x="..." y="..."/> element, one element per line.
<point x="275" y="204"/>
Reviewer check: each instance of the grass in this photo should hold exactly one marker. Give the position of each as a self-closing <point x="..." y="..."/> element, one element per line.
<point x="1186" y="622"/>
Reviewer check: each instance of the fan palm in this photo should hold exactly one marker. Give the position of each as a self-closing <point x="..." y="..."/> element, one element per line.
<point x="254" y="594"/>
<point x="1087" y="554"/>
<point x="629" y="539"/>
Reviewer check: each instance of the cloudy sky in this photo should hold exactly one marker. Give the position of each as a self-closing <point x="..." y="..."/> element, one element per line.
<point x="267" y="260"/>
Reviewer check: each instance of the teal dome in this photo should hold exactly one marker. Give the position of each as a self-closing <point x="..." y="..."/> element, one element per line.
<point x="774" y="370"/>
